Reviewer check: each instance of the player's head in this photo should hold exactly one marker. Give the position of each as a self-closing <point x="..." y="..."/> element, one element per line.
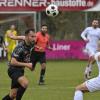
<point x="30" y="36"/>
<point x="95" y="23"/>
<point x="12" y="27"/>
<point x="44" y="28"/>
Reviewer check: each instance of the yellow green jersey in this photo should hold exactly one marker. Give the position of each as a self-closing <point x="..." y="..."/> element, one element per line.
<point x="10" y="43"/>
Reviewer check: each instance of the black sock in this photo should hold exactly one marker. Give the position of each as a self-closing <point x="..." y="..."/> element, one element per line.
<point x="7" y="97"/>
<point x="42" y="75"/>
<point x="20" y="92"/>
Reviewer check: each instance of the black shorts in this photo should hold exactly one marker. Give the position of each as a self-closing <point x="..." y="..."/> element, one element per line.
<point x="14" y="74"/>
<point x="38" y="57"/>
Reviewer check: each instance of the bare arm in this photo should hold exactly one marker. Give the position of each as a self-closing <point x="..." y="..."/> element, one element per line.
<point x="20" y="64"/>
<point x="16" y="37"/>
<point x="49" y="47"/>
<point x="48" y="44"/>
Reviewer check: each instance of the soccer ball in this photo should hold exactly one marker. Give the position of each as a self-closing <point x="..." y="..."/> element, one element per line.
<point x="52" y="10"/>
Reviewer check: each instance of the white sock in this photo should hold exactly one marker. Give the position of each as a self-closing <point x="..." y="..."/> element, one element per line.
<point x="90" y="67"/>
<point x="78" y="95"/>
<point x="86" y="70"/>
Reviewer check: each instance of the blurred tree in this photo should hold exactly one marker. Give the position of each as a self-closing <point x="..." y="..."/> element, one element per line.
<point x="68" y="25"/>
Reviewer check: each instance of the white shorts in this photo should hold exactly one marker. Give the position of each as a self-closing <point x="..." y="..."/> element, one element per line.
<point x="93" y="84"/>
<point x="90" y="50"/>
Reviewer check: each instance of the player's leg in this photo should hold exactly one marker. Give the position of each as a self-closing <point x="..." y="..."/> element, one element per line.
<point x="91" y="60"/>
<point x="19" y="81"/>
<point x="88" y="68"/>
<point x="88" y="86"/>
<point x="43" y="68"/>
<point x="23" y="86"/>
<point x="33" y="59"/>
<point x="42" y="73"/>
<point x="9" y="55"/>
<point x="90" y="64"/>
<point x="8" y="97"/>
<point x="80" y="89"/>
<point x="13" y="92"/>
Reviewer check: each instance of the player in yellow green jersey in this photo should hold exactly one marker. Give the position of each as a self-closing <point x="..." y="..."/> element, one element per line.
<point x="10" y="44"/>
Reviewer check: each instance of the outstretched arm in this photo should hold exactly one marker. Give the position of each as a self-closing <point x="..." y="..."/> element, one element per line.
<point x="16" y="37"/>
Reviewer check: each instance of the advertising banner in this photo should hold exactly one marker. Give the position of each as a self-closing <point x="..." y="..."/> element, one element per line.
<point x="3" y="54"/>
<point x="62" y="50"/>
<point x="40" y="5"/>
<point x="67" y="50"/>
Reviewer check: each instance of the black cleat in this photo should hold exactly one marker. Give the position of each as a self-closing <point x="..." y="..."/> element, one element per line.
<point x="41" y="82"/>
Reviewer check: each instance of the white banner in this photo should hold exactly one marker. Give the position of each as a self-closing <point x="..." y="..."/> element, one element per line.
<point x="95" y="8"/>
<point x="2" y="53"/>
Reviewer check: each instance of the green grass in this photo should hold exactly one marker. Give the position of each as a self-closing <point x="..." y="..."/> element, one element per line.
<point x="61" y="79"/>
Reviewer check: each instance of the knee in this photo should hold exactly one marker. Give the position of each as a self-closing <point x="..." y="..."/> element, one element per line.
<point x="77" y="88"/>
<point x="13" y="95"/>
<point x="43" y="66"/>
<point x="25" y="84"/>
<point x="92" y="58"/>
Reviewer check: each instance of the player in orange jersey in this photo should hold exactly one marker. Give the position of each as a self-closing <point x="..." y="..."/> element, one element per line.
<point x="39" y="53"/>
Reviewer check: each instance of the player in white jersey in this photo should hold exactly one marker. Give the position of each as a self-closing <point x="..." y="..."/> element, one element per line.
<point x="92" y="84"/>
<point x="91" y="35"/>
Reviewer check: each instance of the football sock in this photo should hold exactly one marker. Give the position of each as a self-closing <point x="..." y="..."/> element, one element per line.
<point x="7" y="97"/>
<point x="20" y="92"/>
<point x="78" y="95"/>
<point x="42" y="75"/>
<point x="90" y="67"/>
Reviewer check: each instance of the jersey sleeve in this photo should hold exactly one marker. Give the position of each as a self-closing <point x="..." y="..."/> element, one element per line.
<point x="18" y="52"/>
<point x="84" y="34"/>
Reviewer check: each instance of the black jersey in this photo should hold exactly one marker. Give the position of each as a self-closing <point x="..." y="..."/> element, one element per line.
<point x="22" y="52"/>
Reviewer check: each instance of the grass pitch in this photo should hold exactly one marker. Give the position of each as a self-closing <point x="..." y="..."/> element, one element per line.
<point x="61" y="79"/>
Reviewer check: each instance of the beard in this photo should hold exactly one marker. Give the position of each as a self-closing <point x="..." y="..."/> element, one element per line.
<point x="95" y="26"/>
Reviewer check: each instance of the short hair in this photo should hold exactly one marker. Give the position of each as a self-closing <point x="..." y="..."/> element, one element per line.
<point x="28" y="31"/>
<point x="95" y="19"/>
<point x="44" y="25"/>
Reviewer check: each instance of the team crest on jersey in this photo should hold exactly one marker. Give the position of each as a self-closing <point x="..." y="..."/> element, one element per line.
<point x="25" y="52"/>
<point x="27" y="58"/>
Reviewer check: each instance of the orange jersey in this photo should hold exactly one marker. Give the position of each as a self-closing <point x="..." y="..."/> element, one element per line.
<point x="41" y="42"/>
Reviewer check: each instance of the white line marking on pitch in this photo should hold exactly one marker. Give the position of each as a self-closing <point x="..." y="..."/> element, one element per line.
<point x="45" y="88"/>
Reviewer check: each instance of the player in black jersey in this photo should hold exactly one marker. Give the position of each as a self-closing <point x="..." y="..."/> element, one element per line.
<point x="19" y="60"/>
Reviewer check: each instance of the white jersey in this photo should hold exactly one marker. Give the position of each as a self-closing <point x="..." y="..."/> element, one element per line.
<point x="91" y="34"/>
